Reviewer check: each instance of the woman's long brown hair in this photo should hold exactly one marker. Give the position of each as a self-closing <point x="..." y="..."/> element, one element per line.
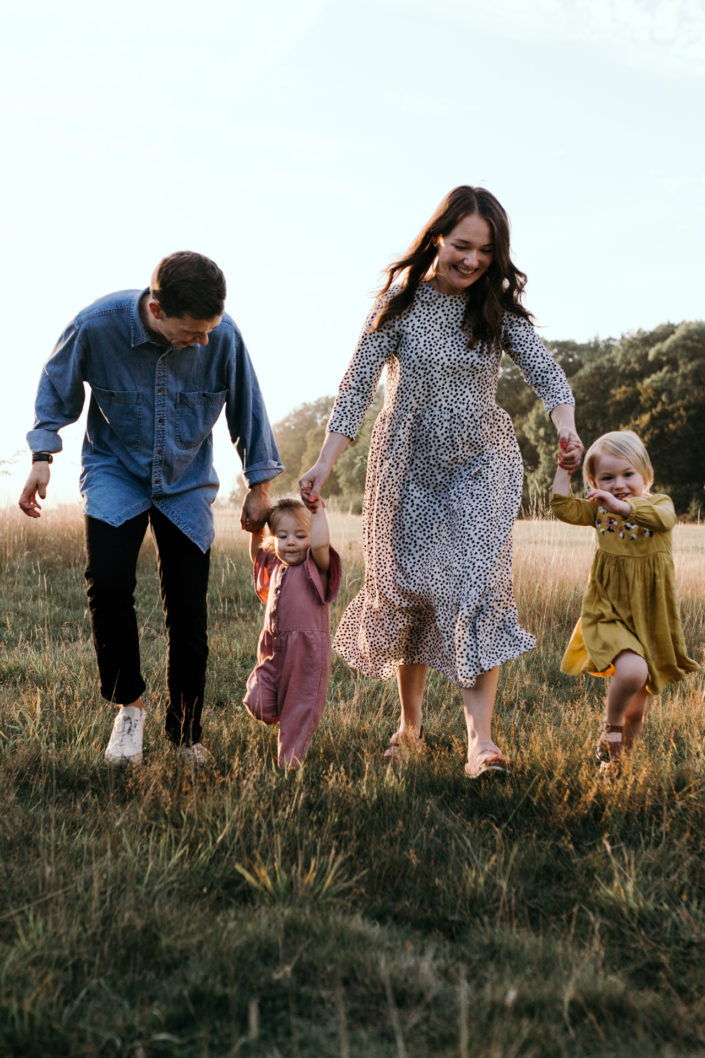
<point x="498" y="291"/>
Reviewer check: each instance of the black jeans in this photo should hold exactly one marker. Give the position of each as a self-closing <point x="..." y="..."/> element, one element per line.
<point x="111" y="574"/>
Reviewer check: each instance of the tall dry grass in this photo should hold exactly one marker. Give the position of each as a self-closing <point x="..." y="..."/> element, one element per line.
<point x="351" y="908"/>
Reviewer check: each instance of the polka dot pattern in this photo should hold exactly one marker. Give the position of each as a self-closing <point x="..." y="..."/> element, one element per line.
<point x="443" y="490"/>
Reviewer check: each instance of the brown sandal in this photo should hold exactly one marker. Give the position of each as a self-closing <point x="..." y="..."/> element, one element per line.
<point x="609" y="744"/>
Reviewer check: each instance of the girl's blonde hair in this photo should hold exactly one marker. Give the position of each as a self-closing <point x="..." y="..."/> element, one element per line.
<point x="622" y="443"/>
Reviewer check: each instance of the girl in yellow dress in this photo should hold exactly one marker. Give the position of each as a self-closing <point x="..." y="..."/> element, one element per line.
<point x="630" y="626"/>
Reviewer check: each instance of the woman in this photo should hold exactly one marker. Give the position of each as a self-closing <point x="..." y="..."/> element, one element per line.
<point x="444" y="472"/>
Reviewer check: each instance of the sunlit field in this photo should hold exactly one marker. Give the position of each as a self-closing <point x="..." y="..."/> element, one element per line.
<point x="353" y="908"/>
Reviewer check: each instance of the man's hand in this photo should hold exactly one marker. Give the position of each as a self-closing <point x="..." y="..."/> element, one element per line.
<point x="36" y="485"/>
<point x="255" y="507"/>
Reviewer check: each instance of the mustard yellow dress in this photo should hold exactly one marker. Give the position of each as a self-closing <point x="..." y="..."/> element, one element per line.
<point x="630" y="602"/>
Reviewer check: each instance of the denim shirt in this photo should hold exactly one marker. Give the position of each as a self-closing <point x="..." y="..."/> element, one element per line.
<point x="152" y="409"/>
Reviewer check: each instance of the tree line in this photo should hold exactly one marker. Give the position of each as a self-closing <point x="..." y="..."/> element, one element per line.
<point x="652" y="382"/>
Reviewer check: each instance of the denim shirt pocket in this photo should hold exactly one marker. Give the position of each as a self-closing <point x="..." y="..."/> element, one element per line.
<point x="122" y="411"/>
<point x="196" y="415"/>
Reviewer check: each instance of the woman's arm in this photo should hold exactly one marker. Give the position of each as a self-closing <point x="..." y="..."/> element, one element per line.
<point x="312" y="481"/>
<point x="355" y="394"/>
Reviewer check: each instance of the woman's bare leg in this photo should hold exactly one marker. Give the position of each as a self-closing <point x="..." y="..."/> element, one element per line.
<point x="479" y="705"/>
<point x="411" y="680"/>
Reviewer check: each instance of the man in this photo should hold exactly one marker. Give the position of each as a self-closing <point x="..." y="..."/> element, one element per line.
<point x="161" y="364"/>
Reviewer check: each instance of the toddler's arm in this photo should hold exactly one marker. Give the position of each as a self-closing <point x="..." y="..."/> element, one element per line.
<point x="561" y="482"/>
<point x="566" y="506"/>
<point x="256" y="539"/>
<point x="653" y="512"/>
<point x="320" y="541"/>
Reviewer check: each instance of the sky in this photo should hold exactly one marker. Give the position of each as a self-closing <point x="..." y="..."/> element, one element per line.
<point x="302" y="146"/>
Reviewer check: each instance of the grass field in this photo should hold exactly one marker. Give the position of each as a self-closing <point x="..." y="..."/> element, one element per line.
<point x="352" y="908"/>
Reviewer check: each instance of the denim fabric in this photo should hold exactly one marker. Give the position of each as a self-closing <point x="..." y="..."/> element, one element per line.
<point x="152" y="409"/>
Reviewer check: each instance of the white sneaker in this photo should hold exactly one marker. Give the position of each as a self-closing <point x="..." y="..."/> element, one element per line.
<point x="125" y="746"/>
<point x="196" y="756"/>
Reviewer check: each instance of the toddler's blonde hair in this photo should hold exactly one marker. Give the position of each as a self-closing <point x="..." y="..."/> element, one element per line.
<point x="621" y="443"/>
<point x="288" y="505"/>
<point x="285" y="505"/>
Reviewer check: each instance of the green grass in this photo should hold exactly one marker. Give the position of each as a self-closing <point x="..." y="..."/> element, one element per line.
<point x="352" y="908"/>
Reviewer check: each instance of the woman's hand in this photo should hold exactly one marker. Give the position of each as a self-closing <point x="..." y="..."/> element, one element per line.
<point x="570" y="447"/>
<point x="311" y="483"/>
<point x="570" y="450"/>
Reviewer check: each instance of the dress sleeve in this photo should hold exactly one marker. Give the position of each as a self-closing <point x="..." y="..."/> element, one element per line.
<point x="262" y="572"/>
<point x="547" y="378"/>
<point x="359" y="384"/>
<point x="653" y="512"/>
<point x="573" y="510"/>
<point x="334" y="576"/>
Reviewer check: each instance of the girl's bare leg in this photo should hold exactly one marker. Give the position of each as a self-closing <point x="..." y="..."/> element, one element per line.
<point x="479" y="704"/>
<point x="411" y="680"/>
<point x="627" y="700"/>
<point x="634" y="718"/>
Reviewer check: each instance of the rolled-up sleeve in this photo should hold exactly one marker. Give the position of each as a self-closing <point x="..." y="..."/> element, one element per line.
<point x="60" y="394"/>
<point x="247" y="419"/>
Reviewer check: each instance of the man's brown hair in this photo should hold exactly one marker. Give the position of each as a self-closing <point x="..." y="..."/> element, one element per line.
<point x="187" y="283"/>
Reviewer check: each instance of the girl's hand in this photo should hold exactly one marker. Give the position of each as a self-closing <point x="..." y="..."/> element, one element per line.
<point x="611" y="503"/>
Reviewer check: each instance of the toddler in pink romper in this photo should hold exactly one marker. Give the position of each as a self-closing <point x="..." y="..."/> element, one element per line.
<point x="296" y="576"/>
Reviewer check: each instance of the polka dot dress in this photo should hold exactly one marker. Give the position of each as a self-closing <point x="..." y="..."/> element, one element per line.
<point x="443" y="490"/>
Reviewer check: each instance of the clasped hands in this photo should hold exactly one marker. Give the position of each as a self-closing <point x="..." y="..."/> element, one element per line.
<point x="570" y="450"/>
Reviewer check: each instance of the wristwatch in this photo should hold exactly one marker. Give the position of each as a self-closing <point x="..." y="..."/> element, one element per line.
<point x="42" y="457"/>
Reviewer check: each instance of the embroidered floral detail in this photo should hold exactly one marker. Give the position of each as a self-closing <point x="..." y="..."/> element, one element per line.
<point x="607" y="523"/>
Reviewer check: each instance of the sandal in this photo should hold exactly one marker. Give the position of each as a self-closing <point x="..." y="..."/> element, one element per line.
<point x="609" y="745"/>
<point x="401" y="747"/>
<point x="487" y="758"/>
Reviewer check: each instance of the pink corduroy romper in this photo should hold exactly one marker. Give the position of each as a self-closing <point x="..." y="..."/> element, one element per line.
<point x="289" y="683"/>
